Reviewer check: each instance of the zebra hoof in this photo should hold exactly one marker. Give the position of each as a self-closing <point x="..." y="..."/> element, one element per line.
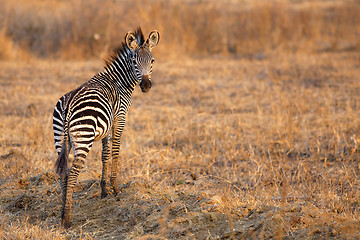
<point x="115" y="187"/>
<point x="116" y="191"/>
<point x="103" y="195"/>
<point x="66" y="224"/>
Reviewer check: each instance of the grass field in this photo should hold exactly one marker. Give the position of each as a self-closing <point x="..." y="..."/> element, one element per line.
<point x="229" y="143"/>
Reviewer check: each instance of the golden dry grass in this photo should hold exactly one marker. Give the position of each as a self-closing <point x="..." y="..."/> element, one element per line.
<point x="258" y="142"/>
<point x="276" y="139"/>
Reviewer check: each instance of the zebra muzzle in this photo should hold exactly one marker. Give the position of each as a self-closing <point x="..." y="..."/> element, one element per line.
<point x="145" y="83"/>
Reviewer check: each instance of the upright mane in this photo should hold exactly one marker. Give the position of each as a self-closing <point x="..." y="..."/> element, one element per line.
<point x="122" y="48"/>
<point x="139" y="36"/>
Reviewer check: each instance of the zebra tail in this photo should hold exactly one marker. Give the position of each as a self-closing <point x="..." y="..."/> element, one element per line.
<point x="61" y="164"/>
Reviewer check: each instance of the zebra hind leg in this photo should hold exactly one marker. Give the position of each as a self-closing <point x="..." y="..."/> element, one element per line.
<point x="63" y="182"/>
<point x="105" y="156"/>
<point x="79" y="159"/>
<point x="71" y="180"/>
<point x="117" y="130"/>
<point x="63" y="174"/>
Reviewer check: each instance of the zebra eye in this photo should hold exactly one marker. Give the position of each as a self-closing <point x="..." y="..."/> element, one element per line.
<point x="152" y="61"/>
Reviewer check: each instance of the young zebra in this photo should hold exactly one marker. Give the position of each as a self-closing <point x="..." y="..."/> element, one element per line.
<point x="97" y="110"/>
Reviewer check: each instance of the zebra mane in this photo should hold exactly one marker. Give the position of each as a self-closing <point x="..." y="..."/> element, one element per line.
<point x="123" y="49"/>
<point x="139" y="36"/>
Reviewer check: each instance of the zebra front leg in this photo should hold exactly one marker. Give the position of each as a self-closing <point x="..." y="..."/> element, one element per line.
<point x="114" y="167"/>
<point x="117" y="131"/>
<point x="105" y="155"/>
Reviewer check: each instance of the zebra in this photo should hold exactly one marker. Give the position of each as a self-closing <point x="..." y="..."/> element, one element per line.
<point x="96" y="110"/>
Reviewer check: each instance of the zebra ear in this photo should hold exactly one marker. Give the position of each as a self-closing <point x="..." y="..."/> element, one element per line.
<point x="153" y="39"/>
<point x="130" y="40"/>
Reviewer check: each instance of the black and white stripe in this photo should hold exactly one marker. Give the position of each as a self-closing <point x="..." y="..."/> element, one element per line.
<point x="97" y="110"/>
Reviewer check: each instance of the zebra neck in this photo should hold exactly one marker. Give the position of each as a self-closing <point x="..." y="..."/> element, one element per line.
<point x="121" y="73"/>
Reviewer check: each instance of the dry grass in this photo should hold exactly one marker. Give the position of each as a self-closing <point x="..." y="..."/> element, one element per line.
<point x="260" y="141"/>
<point x="270" y="144"/>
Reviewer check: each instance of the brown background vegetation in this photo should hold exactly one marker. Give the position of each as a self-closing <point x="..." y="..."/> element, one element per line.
<point x="82" y="29"/>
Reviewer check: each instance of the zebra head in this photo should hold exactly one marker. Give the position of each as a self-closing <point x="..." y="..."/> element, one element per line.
<point x="142" y="58"/>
